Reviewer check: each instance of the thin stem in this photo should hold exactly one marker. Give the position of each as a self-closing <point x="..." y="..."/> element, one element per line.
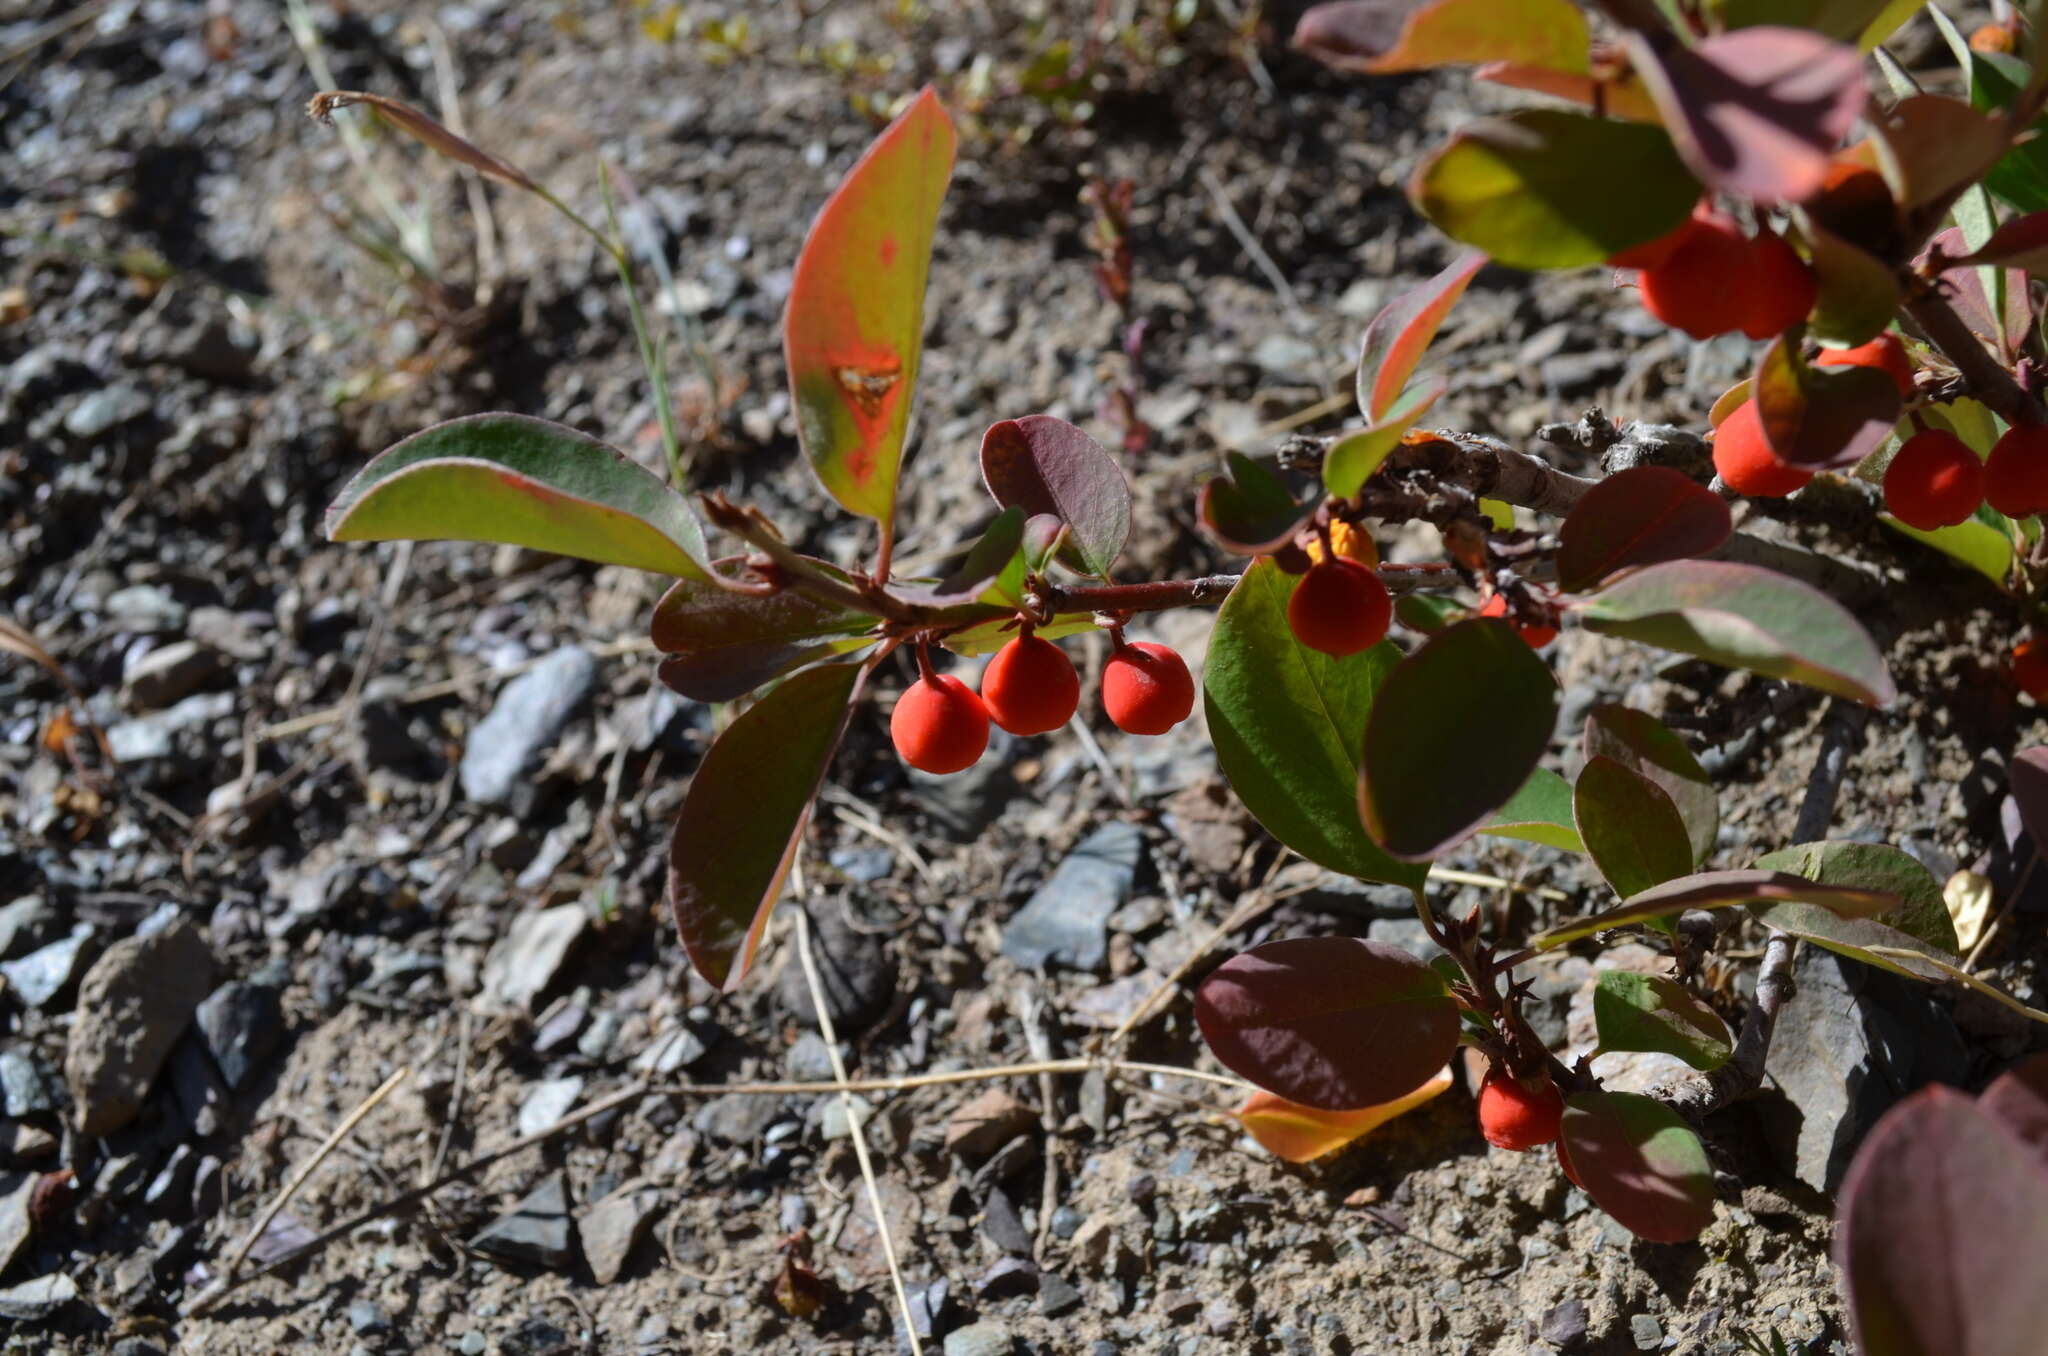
<point x="1987" y="377"/>
<point x="652" y="348"/>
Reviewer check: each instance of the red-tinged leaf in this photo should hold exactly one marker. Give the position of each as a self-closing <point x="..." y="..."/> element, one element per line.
<point x="1301" y="1134"/>
<point x="2027" y="777"/>
<point x="1630" y="827"/>
<point x="1942" y="1234"/>
<point x="1455" y="731"/>
<point x="854" y="329"/>
<point x="1922" y="912"/>
<point x="696" y="615"/>
<point x="1640" y="742"/>
<point x="745" y="814"/>
<point x="1718" y="890"/>
<point x="527" y="482"/>
<point x="1641" y="1164"/>
<point x="1640" y="516"/>
<point x="1747" y="617"/>
<point x="2004" y="328"/>
<point x="2018" y="1100"/>
<point x="1399" y="335"/>
<point x="1334" y="1023"/>
<point x="1351" y="461"/>
<point x="2019" y="243"/>
<point x="730" y="672"/>
<point x="1650" y="1012"/>
<point x="1535" y="189"/>
<point x="1622" y="96"/>
<point x="1822" y="418"/>
<point x="1756" y="112"/>
<point x="1863" y="939"/>
<point x="1936" y="147"/>
<point x="1248" y="510"/>
<point x="1858" y="292"/>
<point x="1045" y="465"/>
<point x="1383" y="36"/>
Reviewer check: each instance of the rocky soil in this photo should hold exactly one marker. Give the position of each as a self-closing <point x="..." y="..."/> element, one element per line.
<point x="399" y="813"/>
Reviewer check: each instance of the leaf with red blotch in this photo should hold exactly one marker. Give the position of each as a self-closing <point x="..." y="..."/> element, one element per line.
<point x="1046" y="466"/>
<point x="1640" y="1163"/>
<point x="1379" y="37"/>
<point x="854" y="328"/>
<point x="1334" y="1023"/>
<point x="1756" y="112"/>
<point x="1941" y="1233"/>
<point x="745" y="813"/>
<point x="1301" y="1134"/>
<point x="1640" y="516"/>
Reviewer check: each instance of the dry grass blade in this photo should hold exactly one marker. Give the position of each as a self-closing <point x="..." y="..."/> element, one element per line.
<point x="18" y="639"/>
<point x="435" y="136"/>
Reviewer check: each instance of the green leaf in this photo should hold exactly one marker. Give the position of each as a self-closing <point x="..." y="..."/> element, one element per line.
<point x="1541" y="812"/>
<point x="992" y="570"/>
<point x="2021" y="175"/>
<point x="1550" y="34"/>
<point x="1455" y="732"/>
<point x="1248" y="510"/>
<point x="1640" y="742"/>
<point x="527" y="482"/>
<point x="1921" y="913"/>
<point x="1718" y="890"/>
<point x="1536" y="189"/>
<point x="1640" y="1163"/>
<point x="722" y="644"/>
<point x="1430" y="613"/>
<point x="989" y="636"/>
<point x="1401" y="333"/>
<point x="1858" y="293"/>
<point x="1863" y="939"/>
<point x="1631" y="828"/>
<point x="1355" y="456"/>
<point x="1651" y="1012"/>
<point x="1975" y="542"/>
<point x="1288" y="723"/>
<point x="854" y="329"/>
<point x="745" y="813"/>
<point x="1746" y="617"/>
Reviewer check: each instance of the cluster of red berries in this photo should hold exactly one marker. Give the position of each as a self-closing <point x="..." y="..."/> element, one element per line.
<point x="940" y="724"/>
<point x="1708" y="278"/>
<point x="1742" y="454"/>
<point x="1935" y="480"/>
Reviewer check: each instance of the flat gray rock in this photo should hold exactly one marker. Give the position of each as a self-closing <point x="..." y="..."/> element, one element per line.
<point x="509" y="743"/>
<point x="537" y="1231"/>
<point x="25" y="924"/>
<point x="1067" y="920"/>
<point x="613" y="1227"/>
<point x="28" y="1086"/>
<point x="32" y="1301"/>
<point x="525" y="961"/>
<point x="133" y="1005"/>
<point x="48" y="971"/>
<point x="16" y="1190"/>
<point x="241" y="1024"/>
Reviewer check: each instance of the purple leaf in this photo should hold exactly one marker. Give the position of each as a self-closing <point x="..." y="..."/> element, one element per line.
<point x="1640" y="1163"/>
<point x="1719" y="890"/>
<point x="1822" y="418"/>
<point x="1248" y="510"/>
<point x="1640" y="516"/>
<point x="2018" y="1100"/>
<point x="1045" y="465"/>
<point x="1640" y="742"/>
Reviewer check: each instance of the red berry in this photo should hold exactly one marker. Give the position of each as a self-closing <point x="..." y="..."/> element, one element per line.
<point x="1744" y="458"/>
<point x="1696" y="287"/>
<point x="2016" y="476"/>
<point x="1146" y="688"/>
<point x="1778" y="288"/>
<point x="1537" y="636"/>
<point x="1935" y="480"/>
<point x="1885" y="353"/>
<point x="1651" y="253"/>
<point x="1340" y="607"/>
<point x="1512" y="1115"/>
<point x="1030" y="687"/>
<point x="2030" y="668"/>
<point x="939" y="725"/>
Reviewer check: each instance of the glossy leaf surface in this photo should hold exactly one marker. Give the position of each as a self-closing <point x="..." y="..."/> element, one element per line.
<point x="1541" y="812"/>
<point x="1454" y="733"/>
<point x="1045" y="465"/>
<point x="1641" y="516"/>
<point x="1334" y="1023"/>
<point x="1921" y="911"/>
<point x="1863" y="939"/>
<point x="510" y="478"/>
<point x="1301" y="1134"/>
<point x="1718" y="890"/>
<point x="1746" y="617"/>
<point x="1650" y="1012"/>
<point x="1641" y="1164"/>
<point x="1822" y="418"/>
<point x="1248" y="510"/>
<point x="745" y="813"/>
<point x="1640" y="742"/>
<point x="1631" y="828"/>
<point x="854" y="329"/>
<point x="1288" y="723"/>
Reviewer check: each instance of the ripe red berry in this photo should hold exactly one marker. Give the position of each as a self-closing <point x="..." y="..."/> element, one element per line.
<point x="939" y="725"/>
<point x="1744" y="458"/>
<point x="2016" y="476"/>
<point x="1885" y="353"/>
<point x="1146" y="688"/>
<point x="1030" y="687"/>
<point x="1935" y="480"/>
<point x="1778" y="288"/>
<point x="1537" y="636"/>
<point x="1512" y="1115"/>
<point x="2030" y="668"/>
<point x="1651" y="253"/>
<point x="1340" y="607"/>
<point x="1696" y="287"/>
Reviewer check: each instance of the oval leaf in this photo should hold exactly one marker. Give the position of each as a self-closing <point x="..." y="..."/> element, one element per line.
<point x="1535" y="189"/>
<point x="523" y="481"/>
<point x="1651" y="1012"/>
<point x="1640" y="742"/>
<point x="1045" y="465"/>
<point x="1863" y="939"/>
<point x="854" y="328"/>
<point x="732" y="671"/>
<point x="1642" y="516"/>
<point x="1334" y="1023"/>
<point x="745" y="813"/>
<point x="1248" y="510"/>
<point x="1288" y="723"/>
<point x="1821" y="418"/>
<point x="1921" y="912"/>
<point x="1399" y="335"/>
<point x="1455" y="732"/>
<point x="1973" y="542"/>
<point x="1858" y="293"/>
<point x="1746" y="617"/>
<point x="2018" y="1100"/>
<point x="1383" y="36"/>
<point x="1719" y="890"/>
<point x="1541" y="812"/>
<point x="1641" y="1164"/>
<point x="698" y="615"/>
<point x="1301" y="1134"/>
<point x="1630" y="827"/>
